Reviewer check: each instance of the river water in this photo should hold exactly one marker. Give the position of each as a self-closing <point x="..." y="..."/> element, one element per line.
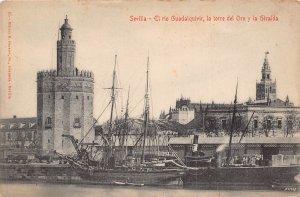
<point x="64" y="190"/>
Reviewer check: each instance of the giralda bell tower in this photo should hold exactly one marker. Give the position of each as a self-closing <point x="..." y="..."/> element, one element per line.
<point x="266" y="88"/>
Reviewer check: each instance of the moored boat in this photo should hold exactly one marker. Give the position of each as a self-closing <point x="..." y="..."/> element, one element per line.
<point x="210" y="173"/>
<point x="258" y="177"/>
<point x="128" y="184"/>
<point x="114" y="166"/>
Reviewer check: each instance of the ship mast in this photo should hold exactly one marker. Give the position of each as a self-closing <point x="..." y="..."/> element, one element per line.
<point x="125" y="130"/>
<point x="232" y="126"/>
<point x="113" y="98"/>
<point x="110" y="134"/>
<point x="146" y="113"/>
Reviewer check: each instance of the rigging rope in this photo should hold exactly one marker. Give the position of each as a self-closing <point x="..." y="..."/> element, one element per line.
<point x="170" y="147"/>
<point x="94" y="123"/>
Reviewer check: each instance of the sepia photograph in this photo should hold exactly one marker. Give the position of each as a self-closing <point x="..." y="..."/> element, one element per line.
<point x="149" y="98"/>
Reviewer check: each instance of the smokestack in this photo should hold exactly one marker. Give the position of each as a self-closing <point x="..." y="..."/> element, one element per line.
<point x="195" y="145"/>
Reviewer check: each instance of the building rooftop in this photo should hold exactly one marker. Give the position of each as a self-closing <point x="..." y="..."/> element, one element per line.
<point x="18" y="123"/>
<point x="235" y="140"/>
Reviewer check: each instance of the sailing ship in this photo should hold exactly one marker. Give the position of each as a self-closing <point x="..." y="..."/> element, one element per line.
<point x="209" y="173"/>
<point x="118" y="165"/>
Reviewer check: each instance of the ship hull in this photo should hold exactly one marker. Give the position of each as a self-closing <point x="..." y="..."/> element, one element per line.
<point x="147" y="178"/>
<point x="242" y="177"/>
<point x="60" y="173"/>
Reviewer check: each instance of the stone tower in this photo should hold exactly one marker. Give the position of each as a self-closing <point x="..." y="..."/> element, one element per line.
<point x="266" y="88"/>
<point x="64" y="99"/>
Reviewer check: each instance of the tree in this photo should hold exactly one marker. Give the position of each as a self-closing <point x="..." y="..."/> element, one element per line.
<point x="211" y="126"/>
<point x="267" y="125"/>
<point x="291" y="124"/>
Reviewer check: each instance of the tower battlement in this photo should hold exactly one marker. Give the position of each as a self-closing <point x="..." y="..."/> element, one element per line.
<point x="46" y="74"/>
<point x="76" y="73"/>
<point x="182" y="109"/>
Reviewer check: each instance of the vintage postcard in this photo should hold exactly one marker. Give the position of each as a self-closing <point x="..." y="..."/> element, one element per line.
<point x="149" y="98"/>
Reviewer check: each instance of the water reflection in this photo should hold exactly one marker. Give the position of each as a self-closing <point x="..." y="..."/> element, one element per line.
<point x="52" y="190"/>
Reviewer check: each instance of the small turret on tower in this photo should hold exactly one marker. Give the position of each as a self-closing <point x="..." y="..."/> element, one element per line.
<point x="287" y="100"/>
<point x="266" y="71"/>
<point x="66" y="51"/>
<point x="66" y="30"/>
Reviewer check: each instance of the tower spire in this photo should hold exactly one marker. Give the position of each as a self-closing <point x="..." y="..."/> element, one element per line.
<point x="66" y="48"/>
<point x="266" y="62"/>
<point x="287" y="100"/>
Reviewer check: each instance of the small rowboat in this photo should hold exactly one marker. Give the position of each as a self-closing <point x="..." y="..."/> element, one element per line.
<point x="127" y="184"/>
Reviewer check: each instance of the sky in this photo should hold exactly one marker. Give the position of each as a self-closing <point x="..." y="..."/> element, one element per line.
<point x="201" y="60"/>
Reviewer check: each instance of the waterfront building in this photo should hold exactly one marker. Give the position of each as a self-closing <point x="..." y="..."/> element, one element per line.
<point x="268" y="127"/>
<point x="17" y="135"/>
<point x="266" y="116"/>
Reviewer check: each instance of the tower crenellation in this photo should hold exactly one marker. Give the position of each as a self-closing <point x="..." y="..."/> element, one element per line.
<point x="75" y="73"/>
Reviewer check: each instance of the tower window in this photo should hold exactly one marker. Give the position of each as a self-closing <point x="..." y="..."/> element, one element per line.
<point x="69" y="37"/>
<point x="77" y="123"/>
<point x="48" y="96"/>
<point x="48" y="123"/>
<point x="62" y="97"/>
<point x="48" y="120"/>
<point x="88" y="97"/>
<point x="268" y="76"/>
<point x="76" y="97"/>
<point x="48" y="140"/>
